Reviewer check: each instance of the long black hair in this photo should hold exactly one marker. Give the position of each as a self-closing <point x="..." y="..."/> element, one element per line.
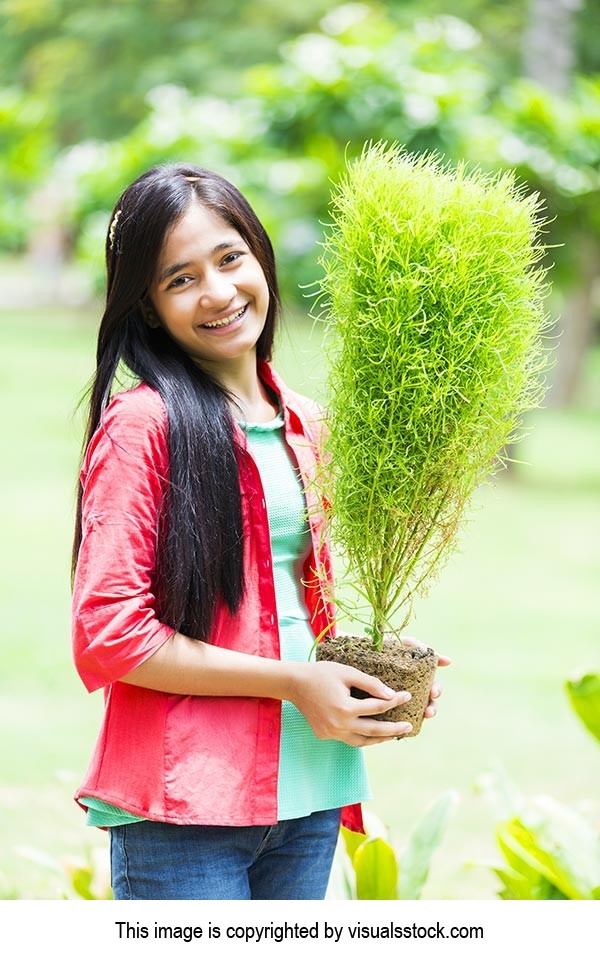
<point x="199" y="556"/>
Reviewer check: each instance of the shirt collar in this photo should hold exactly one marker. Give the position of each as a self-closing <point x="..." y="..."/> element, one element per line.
<point x="292" y="411"/>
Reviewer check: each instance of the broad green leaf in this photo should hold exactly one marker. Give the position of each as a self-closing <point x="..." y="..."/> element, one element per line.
<point x="540" y="860"/>
<point x="422" y="843"/>
<point x="572" y="844"/>
<point x="557" y="842"/>
<point x="584" y="693"/>
<point x="552" y="893"/>
<point x="351" y="840"/>
<point x="516" y="887"/>
<point x="81" y="880"/>
<point x="376" y="870"/>
<point x="515" y="855"/>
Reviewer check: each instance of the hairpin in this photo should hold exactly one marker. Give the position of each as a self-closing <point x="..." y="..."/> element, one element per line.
<point x="113" y="229"/>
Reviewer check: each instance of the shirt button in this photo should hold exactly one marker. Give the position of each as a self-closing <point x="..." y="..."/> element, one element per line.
<point x="263" y="503"/>
<point x="267" y="563"/>
<point x="272" y="619"/>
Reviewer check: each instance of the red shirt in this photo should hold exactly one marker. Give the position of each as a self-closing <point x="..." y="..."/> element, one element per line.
<point x="174" y="758"/>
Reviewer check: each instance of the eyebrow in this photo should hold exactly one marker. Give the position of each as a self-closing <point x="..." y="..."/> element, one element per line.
<point x="175" y="268"/>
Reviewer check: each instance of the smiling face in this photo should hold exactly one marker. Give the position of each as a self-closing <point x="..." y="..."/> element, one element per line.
<point x="210" y="293"/>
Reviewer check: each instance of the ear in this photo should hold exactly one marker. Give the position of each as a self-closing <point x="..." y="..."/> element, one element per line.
<point x="149" y="314"/>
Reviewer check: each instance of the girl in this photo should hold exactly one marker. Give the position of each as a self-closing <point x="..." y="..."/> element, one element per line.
<point x="225" y="757"/>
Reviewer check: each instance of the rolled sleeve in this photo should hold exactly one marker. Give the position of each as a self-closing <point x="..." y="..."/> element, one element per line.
<point x="124" y="475"/>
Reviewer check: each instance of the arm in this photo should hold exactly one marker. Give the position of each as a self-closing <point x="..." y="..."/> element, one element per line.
<point x="321" y="690"/>
<point x="114" y="622"/>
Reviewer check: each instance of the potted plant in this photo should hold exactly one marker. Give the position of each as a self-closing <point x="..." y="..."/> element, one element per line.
<point x="432" y="292"/>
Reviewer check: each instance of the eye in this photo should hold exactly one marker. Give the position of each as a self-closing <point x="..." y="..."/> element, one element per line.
<point x="231" y="258"/>
<point x="179" y="281"/>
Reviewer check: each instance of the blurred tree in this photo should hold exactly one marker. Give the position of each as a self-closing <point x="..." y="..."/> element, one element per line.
<point x="549" y="51"/>
<point x="274" y="96"/>
<point x="500" y="26"/>
<point x="504" y="25"/>
<point x="27" y="149"/>
<point x="357" y="77"/>
<point x="80" y="70"/>
<point x="96" y="61"/>
<point x="550" y="59"/>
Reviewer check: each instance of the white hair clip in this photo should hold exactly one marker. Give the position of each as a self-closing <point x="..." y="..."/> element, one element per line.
<point x="113" y="229"/>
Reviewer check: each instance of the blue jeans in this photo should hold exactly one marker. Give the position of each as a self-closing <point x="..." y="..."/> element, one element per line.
<point x="289" y="860"/>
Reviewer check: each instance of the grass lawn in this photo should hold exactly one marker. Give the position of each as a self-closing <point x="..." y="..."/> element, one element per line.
<point x="516" y="608"/>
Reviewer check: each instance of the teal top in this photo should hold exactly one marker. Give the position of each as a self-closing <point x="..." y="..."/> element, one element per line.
<point x="314" y="774"/>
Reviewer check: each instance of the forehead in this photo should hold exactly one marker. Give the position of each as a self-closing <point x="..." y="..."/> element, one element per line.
<point x="195" y="234"/>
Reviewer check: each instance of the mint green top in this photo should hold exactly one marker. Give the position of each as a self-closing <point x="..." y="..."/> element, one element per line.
<point x="314" y="774"/>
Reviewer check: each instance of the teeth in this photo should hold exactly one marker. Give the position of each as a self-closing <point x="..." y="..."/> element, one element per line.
<point x="227" y="320"/>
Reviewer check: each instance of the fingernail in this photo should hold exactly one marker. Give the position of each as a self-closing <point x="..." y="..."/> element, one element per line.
<point x="407" y="727"/>
<point x="389" y="691"/>
<point x="404" y="697"/>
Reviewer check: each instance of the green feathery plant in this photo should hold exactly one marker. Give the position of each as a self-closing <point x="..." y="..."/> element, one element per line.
<point x="433" y="297"/>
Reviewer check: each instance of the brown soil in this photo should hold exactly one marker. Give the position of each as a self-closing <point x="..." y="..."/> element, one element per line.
<point x="399" y="666"/>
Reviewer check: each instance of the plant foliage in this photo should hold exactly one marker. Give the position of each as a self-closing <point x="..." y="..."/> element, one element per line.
<point x="433" y="292"/>
<point x="376" y="870"/>
<point x="417" y="855"/>
<point x="584" y="693"/>
<point x="551" y="851"/>
<point x="379" y="873"/>
<point x="87" y="876"/>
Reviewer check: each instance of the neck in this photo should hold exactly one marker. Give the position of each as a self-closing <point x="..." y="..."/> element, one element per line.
<point x="251" y="399"/>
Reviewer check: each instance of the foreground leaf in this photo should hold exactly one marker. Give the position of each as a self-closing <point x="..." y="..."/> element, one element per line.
<point x="584" y="693"/>
<point x="376" y="870"/>
<point x="422" y="843"/>
<point x="556" y="842"/>
<point x="352" y="840"/>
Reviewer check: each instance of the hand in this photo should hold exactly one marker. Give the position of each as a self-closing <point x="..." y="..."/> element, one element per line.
<point x="321" y="691"/>
<point x="436" y="689"/>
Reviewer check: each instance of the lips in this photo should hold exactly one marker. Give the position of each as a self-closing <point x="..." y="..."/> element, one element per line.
<point x="225" y="321"/>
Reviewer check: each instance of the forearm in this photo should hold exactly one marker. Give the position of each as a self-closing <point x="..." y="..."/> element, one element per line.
<point x="183" y="666"/>
<point x="321" y="690"/>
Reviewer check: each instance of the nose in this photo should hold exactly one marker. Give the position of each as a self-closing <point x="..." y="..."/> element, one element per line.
<point x="216" y="291"/>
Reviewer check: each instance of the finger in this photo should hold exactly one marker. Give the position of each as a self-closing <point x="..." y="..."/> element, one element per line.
<point x="443" y="660"/>
<point x="413" y="642"/>
<point x="430" y="711"/>
<point x="373" y="729"/>
<point x="436" y="691"/>
<point x="375" y="706"/>
<point x="373" y="686"/>
<point x="361" y="742"/>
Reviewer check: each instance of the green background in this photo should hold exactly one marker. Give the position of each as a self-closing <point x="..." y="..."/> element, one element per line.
<point x="92" y="94"/>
